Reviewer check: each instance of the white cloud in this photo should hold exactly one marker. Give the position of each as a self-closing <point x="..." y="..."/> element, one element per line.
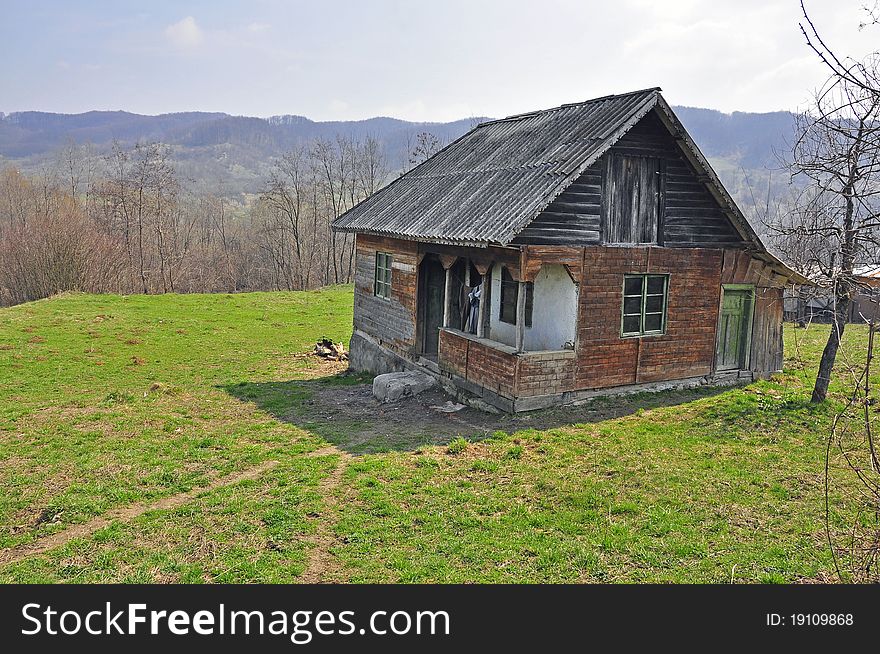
<point x="258" y="27"/>
<point x="185" y="33"/>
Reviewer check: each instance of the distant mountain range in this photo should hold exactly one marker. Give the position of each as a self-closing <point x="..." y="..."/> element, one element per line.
<point x="231" y="154"/>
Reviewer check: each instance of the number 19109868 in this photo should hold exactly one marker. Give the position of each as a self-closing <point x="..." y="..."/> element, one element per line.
<point x="821" y="619"/>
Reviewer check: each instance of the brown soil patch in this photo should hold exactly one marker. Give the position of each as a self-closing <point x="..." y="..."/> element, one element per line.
<point x="351" y="418"/>
<point x="125" y="514"/>
<point x="322" y="566"/>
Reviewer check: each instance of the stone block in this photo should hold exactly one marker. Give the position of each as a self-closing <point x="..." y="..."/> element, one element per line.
<point x="394" y="386"/>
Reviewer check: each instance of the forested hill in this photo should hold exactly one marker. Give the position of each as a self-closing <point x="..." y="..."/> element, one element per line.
<point x="230" y="154"/>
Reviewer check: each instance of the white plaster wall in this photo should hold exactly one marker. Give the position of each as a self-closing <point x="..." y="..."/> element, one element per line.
<point x="554" y="314"/>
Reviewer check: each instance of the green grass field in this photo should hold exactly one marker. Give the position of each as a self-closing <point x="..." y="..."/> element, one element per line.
<point x="112" y="402"/>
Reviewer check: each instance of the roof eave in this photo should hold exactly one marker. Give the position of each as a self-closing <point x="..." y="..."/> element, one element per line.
<point x="417" y="239"/>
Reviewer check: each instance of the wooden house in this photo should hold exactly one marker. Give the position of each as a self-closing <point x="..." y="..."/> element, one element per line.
<point x="551" y="256"/>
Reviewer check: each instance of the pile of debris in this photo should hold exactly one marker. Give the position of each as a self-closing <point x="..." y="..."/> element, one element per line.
<point x="327" y="349"/>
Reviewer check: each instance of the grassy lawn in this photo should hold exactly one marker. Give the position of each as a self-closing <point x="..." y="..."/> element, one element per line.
<point x="107" y="402"/>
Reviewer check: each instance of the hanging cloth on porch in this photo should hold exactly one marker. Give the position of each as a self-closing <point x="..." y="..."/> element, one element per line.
<point x="474" y="308"/>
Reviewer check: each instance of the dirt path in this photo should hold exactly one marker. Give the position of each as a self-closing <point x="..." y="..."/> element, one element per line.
<point x="125" y="514"/>
<point x="321" y="564"/>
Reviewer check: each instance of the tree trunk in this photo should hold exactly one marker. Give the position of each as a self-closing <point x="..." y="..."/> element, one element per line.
<point x="829" y="354"/>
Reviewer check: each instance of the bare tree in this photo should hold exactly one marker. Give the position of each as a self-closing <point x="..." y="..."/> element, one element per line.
<point x="17" y="199"/>
<point x="834" y="226"/>
<point x="141" y="200"/>
<point x="286" y="195"/>
<point x="76" y="163"/>
<point x="62" y="251"/>
<point x="425" y="146"/>
<point x="861" y="74"/>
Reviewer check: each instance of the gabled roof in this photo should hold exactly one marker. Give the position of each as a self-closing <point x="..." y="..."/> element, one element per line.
<point x="486" y="186"/>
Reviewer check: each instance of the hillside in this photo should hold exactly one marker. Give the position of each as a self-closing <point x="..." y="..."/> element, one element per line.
<point x="191" y="438"/>
<point x="231" y="154"/>
<point x="218" y="152"/>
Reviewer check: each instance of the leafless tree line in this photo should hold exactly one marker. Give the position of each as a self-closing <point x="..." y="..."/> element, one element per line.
<point x="307" y="189"/>
<point x="125" y="222"/>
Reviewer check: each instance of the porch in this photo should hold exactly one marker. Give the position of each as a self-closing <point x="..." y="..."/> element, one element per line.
<point x="481" y="366"/>
<point x="522" y="299"/>
<point x="500" y="322"/>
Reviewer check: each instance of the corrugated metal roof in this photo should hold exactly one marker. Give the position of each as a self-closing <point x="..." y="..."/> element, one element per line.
<point x="485" y="187"/>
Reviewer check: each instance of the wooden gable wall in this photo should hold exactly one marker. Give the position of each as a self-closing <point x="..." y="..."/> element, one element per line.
<point x="689" y="214"/>
<point x="574" y="217"/>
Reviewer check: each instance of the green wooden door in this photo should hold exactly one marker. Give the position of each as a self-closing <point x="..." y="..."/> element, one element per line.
<point x="733" y="329"/>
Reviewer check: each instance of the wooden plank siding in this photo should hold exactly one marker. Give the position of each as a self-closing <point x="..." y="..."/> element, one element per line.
<point x="686" y="214"/>
<point x="632" y="199"/>
<point x="573" y="218"/>
<point x="391" y="321"/>
<point x="739" y="267"/>
<point x="691" y="216"/>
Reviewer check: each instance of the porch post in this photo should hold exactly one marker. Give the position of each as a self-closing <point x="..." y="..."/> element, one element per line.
<point x="447" y="297"/>
<point x="520" y="316"/>
<point x="481" y="312"/>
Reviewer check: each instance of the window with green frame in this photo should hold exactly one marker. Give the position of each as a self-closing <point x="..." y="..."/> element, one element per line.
<point x="382" y="285"/>
<point x="644" y="304"/>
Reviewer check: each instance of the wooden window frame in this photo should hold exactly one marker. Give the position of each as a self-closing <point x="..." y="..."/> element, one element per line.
<point x="382" y="275"/>
<point x="644" y="295"/>
<point x="509" y="291"/>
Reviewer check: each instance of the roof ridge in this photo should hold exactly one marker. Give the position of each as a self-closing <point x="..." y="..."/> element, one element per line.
<point x="528" y="114"/>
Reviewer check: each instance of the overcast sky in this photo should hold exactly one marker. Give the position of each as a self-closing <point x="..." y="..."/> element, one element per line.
<point x="339" y="59"/>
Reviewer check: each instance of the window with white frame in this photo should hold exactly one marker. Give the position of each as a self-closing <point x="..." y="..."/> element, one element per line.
<point x="382" y="284"/>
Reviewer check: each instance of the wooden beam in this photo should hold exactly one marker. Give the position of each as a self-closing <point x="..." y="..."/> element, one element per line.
<point x="520" y="316"/>
<point x="447" y="298"/>
<point x="481" y="312"/>
<point x="487" y="302"/>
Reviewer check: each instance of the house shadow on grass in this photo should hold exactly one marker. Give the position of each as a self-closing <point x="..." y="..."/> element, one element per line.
<point x="341" y="409"/>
